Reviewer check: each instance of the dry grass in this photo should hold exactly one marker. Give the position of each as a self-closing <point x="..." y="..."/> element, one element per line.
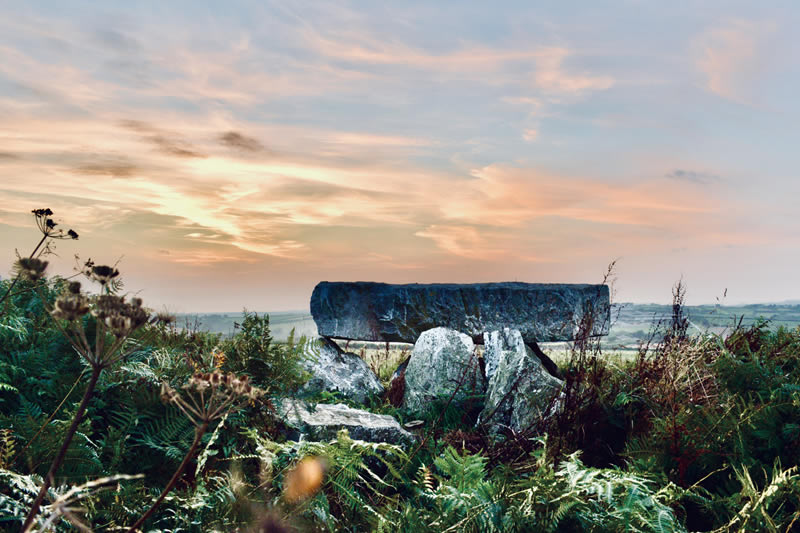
<point x="383" y="358"/>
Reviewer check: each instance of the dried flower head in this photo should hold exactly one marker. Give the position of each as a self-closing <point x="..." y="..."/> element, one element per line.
<point x="71" y="305"/>
<point x="120" y="317"/>
<point x="209" y="396"/>
<point x="106" y="305"/>
<point x="48" y="226"/>
<point x="102" y="274"/>
<point x="163" y="318"/>
<point x="42" y="213"/>
<point x="31" y="268"/>
<point x="227" y="383"/>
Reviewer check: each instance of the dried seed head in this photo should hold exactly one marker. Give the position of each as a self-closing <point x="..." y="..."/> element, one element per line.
<point x="198" y="381"/>
<point x="103" y="274"/>
<point x="121" y="317"/>
<point x="225" y="384"/>
<point x="72" y="234"/>
<point x="31" y="268"/>
<point x="119" y="325"/>
<point x="137" y="315"/>
<point x="71" y="305"/>
<point x="252" y="392"/>
<point x="107" y="305"/>
<point x="41" y="213"/>
<point x="163" y="318"/>
<point x="74" y="287"/>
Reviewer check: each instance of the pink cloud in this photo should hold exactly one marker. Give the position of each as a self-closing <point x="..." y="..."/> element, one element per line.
<point x="731" y="57"/>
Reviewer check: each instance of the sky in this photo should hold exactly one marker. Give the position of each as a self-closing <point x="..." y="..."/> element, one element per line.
<point x="231" y="155"/>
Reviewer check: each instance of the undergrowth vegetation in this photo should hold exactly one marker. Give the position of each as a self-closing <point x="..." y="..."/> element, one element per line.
<point x="695" y="433"/>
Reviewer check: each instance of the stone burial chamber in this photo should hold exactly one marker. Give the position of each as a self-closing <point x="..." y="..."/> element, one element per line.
<point x="369" y="311"/>
<point x="444" y="322"/>
<point x="541" y="312"/>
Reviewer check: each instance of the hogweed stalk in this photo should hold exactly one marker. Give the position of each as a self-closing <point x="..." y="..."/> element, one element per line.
<point x="206" y="397"/>
<point x="116" y="320"/>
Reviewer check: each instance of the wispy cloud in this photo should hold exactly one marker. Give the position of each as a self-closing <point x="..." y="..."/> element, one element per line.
<point x="507" y="196"/>
<point x="168" y="143"/>
<point x="403" y="142"/>
<point x="692" y="176"/>
<point x="552" y="76"/>
<point x="731" y="56"/>
<point x="530" y="134"/>
<point x="236" y="140"/>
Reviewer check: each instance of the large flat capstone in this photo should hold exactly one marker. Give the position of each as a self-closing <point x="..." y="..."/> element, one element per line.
<point x="542" y="312"/>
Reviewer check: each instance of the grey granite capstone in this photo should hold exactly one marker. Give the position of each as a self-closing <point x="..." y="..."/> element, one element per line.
<point x="322" y="422"/>
<point x="400" y="313"/>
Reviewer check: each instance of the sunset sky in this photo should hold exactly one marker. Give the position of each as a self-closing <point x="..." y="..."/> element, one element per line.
<point x="233" y="154"/>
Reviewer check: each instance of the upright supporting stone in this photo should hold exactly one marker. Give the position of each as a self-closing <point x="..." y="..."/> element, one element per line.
<point x="400" y="313"/>
<point x="442" y="363"/>
<point x="520" y="389"/>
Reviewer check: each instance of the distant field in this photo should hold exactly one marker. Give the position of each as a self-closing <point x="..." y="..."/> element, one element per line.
<point x="631" y="322"/>
<point x="281" y="323"/>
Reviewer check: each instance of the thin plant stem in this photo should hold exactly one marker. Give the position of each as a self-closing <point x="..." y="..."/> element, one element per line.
<point x="72" y="340"/>
<point x="198" y="435"/>
<point x="33" y="439"/>
<point x="49" y="478"/>
<point x="29" y="289"/>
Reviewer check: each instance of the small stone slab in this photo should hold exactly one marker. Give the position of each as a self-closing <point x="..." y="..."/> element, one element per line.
<point x="542" y="312"/>
<point x="322" y="422"/>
